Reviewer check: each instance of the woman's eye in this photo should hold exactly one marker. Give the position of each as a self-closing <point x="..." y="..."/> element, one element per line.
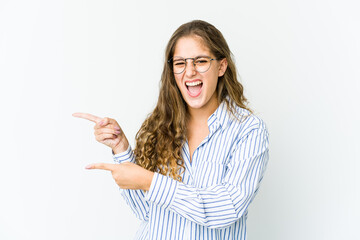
<point x="201" y="61"/>
<point x="179" y="63"/>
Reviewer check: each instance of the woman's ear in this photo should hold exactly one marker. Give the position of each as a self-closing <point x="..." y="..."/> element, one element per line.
<point x="222" y="67"/>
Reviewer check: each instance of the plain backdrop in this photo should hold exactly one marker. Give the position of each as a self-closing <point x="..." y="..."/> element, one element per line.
<point x="299" y="62"/>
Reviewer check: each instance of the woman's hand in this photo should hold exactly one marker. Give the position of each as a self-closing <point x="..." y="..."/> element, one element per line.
<point x="127" y="175"/>
<point x="107" y="131"/>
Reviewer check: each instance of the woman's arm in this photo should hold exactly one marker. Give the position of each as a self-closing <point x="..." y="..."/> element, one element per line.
<point x="108" y="132"/>
<point x="220" y="205"/>
<point x="134" y="198"/>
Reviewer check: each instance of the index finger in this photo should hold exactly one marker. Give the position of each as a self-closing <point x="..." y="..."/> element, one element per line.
<point x="103" y="166"/>
<point x="87" y="116"/>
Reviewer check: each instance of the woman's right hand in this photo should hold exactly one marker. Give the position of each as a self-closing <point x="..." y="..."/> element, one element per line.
<point x="107" y="131"/>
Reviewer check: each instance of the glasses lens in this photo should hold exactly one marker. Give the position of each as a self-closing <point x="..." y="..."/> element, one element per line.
<point x="202" y="64"/>
<point x="179" y="65"/>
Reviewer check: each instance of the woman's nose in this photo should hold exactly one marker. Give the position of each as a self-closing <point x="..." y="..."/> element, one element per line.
<point x="190" y="69"/>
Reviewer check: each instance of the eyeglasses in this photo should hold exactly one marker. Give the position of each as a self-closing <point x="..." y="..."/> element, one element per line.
<point x="201" y="63"/>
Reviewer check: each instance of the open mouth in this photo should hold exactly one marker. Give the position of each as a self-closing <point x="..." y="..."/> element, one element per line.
<point x="194" y="87"/>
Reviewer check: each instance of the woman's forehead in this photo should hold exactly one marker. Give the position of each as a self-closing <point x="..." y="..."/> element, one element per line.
<point x="191" y="46"/>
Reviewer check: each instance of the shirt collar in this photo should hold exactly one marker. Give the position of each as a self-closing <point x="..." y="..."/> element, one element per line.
<point x="220" y="118"/>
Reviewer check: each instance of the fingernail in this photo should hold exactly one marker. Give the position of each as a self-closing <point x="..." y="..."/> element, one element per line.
<point x="117" y="132"/>
<point x="101" y="122"/>
<point x="88" y="166"/>
<point x="117" y="128"/>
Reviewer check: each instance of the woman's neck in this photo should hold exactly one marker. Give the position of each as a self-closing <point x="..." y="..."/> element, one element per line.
<point x="202" y="114"/>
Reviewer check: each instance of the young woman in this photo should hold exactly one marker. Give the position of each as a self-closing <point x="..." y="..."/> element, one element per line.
<point x="200" y="155"/>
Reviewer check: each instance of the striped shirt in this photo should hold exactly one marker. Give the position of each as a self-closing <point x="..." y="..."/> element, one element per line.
<point x="218" y="184"/>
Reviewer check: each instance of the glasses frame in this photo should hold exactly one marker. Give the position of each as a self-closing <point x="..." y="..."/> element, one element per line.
<point x="193" y="62"/>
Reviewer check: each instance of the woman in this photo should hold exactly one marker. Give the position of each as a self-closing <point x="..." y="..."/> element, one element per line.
<point x="200" y="155"/>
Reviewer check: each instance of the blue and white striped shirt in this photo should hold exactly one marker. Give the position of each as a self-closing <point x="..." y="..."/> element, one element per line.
<point x="218" y="184"/>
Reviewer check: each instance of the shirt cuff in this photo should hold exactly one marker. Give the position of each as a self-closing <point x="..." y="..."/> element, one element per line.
<point x="162" y="190"/>
<point x="127" y="156"/>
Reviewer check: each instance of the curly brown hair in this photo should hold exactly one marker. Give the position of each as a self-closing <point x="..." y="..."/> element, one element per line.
<point x="162" y="135"/>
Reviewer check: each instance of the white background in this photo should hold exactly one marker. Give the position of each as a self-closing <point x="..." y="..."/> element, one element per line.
<point x="298" y="61"/>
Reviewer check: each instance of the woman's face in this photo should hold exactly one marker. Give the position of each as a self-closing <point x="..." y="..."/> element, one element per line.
<point x="198" y="89"/>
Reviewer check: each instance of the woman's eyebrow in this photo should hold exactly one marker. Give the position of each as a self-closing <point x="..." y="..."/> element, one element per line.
<point x="202" y="56"/>
<point x="199" y="56"/>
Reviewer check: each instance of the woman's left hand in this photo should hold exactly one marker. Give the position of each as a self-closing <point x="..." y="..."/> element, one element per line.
<point x="127" y="175"/>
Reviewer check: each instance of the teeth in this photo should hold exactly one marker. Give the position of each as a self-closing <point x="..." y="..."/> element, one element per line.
<point x="193" y="83"/>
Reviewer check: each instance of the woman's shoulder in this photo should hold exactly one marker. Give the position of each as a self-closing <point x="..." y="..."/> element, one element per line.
<point x="246" y="120"/>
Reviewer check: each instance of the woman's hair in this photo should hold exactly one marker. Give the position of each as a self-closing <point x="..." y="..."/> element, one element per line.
<point x="163" y="133"/>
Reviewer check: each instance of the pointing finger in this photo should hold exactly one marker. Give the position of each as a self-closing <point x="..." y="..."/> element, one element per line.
<point x="87" y="116"/>
<point x="103" y="166"/>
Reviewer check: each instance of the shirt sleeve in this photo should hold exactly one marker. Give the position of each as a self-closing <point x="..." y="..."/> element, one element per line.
<point x="134" y="198"/>
<point x="220" y="205"/>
